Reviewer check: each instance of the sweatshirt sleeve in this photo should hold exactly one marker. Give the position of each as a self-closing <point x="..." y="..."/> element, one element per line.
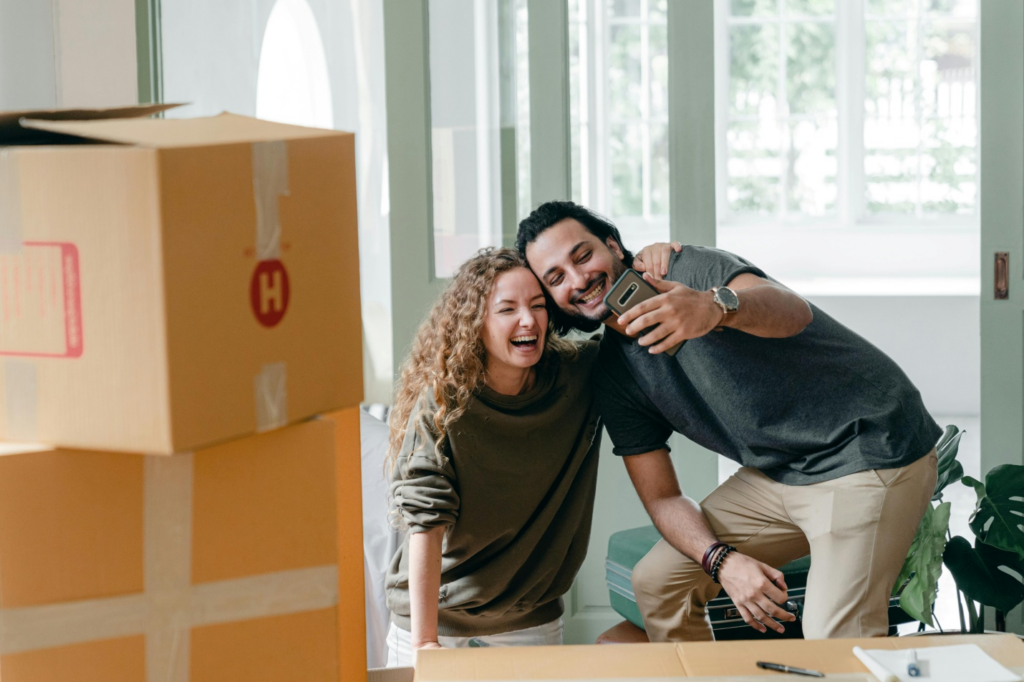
<point x="422" y="488"/>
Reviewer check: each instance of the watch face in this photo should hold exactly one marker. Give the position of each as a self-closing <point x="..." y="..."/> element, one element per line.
<point x="728" y="298"/>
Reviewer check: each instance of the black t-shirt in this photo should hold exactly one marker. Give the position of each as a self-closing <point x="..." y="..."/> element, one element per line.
<point x="809" y="408"/>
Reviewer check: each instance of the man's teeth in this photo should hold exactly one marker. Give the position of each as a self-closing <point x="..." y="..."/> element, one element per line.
<point x="593" y="294"/>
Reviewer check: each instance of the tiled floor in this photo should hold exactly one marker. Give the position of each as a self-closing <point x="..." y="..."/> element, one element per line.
<point x="962" y="499"/>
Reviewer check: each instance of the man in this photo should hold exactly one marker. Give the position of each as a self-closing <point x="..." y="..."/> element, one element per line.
<point x="836" y="446"/>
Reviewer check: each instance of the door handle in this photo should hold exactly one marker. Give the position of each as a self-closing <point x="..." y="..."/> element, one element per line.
<point x="1002" y="276"/>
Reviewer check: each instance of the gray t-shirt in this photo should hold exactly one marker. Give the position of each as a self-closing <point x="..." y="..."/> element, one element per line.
<point x="809" y="408"/>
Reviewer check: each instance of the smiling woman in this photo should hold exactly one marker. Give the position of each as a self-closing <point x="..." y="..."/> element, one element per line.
<point x="493" y="452"/>
<point x="515" y="328"/>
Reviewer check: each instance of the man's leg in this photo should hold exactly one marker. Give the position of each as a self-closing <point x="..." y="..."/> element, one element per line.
<point x="859" y="528"/>
<point x="672" y="590"/>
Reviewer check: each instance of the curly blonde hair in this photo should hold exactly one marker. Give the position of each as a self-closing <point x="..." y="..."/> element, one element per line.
<point x="448" y="358"/>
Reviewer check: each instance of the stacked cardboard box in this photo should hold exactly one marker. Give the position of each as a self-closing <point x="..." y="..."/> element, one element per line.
<point x="179" y="300"/>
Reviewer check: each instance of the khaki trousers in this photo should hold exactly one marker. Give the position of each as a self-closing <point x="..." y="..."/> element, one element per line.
<point x="857" y="530"/>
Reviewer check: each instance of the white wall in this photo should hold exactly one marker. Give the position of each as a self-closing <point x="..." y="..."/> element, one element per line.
<point x="935" y="339"/>
<point x="67" y="53"/>
<point x="28" y="78"/>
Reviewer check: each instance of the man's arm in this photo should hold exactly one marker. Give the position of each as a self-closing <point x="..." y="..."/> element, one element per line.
<point x="766" y="309"/>
<point x="755" y="587"/>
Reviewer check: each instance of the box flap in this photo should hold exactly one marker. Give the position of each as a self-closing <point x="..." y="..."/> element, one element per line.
<point x="181" y="132"/>
<point x="13" y="132"/>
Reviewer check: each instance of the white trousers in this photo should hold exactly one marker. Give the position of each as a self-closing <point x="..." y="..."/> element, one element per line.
<point x="400" y="651"/>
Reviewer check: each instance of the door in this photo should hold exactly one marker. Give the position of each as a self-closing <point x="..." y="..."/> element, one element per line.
<point x="1002" y="232"/>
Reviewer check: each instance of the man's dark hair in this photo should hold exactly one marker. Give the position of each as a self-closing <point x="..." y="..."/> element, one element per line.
<point x="546" y="215"/>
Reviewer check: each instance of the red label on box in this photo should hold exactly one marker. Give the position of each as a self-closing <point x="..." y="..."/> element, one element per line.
<point x="269" y="292"/>
<point x="41" y="301"/>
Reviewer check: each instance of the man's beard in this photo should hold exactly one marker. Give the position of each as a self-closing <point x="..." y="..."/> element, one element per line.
<point x="585" y="322"/>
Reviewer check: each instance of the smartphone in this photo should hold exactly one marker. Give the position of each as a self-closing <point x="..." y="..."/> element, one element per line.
<point x="629" y="290"/>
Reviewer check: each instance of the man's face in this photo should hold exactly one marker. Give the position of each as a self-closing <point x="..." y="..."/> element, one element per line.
<point x="576" y="268"/>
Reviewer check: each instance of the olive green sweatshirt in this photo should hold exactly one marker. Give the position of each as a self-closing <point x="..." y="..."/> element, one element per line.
<point x="516" y="494"/>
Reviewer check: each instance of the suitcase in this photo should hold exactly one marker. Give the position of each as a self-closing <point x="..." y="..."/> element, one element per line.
<point x="627" y="547"/>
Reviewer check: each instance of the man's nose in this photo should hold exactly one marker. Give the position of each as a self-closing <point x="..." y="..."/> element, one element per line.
<point x="577" y="279"/>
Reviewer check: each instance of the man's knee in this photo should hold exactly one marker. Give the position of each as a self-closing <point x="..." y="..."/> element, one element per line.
<point x="663" y="572"/>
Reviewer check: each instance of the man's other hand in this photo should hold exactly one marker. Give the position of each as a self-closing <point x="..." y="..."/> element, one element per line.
<point x="654" y="259"/>
<point x="757" y="589"/>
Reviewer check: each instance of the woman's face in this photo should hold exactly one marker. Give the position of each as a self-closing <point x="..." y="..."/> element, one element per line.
<point x="515" y="321"/>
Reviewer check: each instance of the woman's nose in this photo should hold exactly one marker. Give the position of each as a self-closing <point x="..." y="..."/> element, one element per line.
<point x="527" y="319"/>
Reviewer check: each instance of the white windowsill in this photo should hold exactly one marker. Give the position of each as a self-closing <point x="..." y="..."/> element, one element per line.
<point x="885" y="286"/>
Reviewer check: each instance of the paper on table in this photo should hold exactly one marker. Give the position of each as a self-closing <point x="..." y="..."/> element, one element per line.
<point x="938" y="664"/>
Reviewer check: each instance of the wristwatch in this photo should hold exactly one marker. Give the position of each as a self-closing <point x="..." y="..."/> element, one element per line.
<point x="726" y="299"/>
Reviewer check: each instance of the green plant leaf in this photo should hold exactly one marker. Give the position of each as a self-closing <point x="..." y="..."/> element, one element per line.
<point x="950" y="470"/>
<point x="923" y="565"/>
<point x="998" y="518"/>
<point x="978" y="573"/>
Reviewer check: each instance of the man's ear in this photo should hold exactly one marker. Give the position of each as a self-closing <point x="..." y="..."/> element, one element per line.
<point x="614" y="247"/>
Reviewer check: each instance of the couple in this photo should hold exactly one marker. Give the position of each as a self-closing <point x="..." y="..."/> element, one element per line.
<point x="495" y="433"/>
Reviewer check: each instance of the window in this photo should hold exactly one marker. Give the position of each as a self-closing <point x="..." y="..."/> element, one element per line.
<point x="846" y="135"/>
<point x="292" y="84"/>
<point x="479" y="102"/>
<point x="847" y="142"/>
<point x="619" y="108"/>
<point x="894" y="138"/>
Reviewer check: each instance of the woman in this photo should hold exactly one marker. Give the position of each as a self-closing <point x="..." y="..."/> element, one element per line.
<point x="493" y="456"/>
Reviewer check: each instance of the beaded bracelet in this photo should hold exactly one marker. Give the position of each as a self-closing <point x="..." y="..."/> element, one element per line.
<point x="708" y="553"/>
<point x="718" y="562"/>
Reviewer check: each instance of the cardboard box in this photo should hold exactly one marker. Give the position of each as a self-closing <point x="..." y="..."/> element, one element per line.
<point x="693" y="659"/>
<point x="166" y="285"/>
<point x="218" y="565"/>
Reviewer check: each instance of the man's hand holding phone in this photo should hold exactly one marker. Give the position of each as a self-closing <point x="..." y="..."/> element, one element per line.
<point x="677" y="314"/>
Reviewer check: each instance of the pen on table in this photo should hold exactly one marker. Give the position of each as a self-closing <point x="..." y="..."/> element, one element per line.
<point x="912" y="669"/>
<point x="778" y="667"/>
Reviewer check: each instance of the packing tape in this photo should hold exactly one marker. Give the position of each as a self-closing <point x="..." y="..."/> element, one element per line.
<point x="170" y="605"/>
<point x="10" y="203"/>
<point x="167" y="552"/>
<point x="270" y="181"/>
<point x="21" y="394"/>
<point x="271" y="390"/>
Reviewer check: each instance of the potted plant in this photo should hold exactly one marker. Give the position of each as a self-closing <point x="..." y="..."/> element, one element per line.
<point x="988" y="572"/>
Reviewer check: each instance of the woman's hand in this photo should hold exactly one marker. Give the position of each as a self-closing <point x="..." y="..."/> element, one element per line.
<point x="426" y="645"/>
<point x="654" y="259"/>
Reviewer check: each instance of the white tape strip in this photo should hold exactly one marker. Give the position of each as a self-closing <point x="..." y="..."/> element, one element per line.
<point x="227" y="601"/>
<point x="269" y="180"/>
<point x="170" y="605"/>
<point x="21" y="394"/>
<point x="42" y="627"/>
<point x="10" y="203"/>
<point x="168" y="565"/>
<point x="306" y="589"/>
<point x="271" y="390"/>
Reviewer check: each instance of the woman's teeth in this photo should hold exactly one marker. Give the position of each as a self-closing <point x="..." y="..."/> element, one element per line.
<point x="593" y="294"/>
<point x="524" y="340"/>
